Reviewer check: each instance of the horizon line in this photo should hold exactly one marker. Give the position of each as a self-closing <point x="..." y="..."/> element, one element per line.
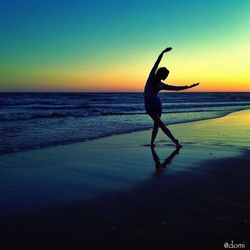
<point x="70" y="91"/>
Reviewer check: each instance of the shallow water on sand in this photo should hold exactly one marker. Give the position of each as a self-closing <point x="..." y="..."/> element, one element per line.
<point x="35" y="120"/>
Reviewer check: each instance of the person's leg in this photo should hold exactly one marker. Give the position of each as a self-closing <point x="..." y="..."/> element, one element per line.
<point x="160" y="124"/>
<point x="154" y="133"/>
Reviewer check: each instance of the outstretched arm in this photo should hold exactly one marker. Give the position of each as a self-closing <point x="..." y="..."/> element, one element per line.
<point x="152" y="72"/>
<point x="177" y="88"/>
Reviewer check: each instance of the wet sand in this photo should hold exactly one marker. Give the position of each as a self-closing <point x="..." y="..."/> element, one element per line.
<point x="117" y="193"/>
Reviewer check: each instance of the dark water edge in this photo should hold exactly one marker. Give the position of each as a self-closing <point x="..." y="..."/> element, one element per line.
<point x="39" y="120"/>
<point x="41" y="146"/>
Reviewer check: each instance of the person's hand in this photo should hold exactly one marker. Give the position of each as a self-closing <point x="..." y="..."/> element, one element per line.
<point x="194" y="85"/>
<point x="167" y="50"/>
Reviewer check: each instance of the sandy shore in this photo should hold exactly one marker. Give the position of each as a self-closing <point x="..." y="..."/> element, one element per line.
<point x="117" y="193"/>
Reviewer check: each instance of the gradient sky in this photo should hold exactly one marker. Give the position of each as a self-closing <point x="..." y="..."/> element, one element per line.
<point x="111" y="45"/>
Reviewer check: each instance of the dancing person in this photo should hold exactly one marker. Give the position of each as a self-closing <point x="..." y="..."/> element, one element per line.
<point x="152" y="103"/>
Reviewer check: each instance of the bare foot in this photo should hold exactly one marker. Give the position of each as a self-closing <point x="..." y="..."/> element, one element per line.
<point x="178" y="145"/>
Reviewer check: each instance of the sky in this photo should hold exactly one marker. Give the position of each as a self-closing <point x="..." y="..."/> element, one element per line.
<point x="111" y="45"/>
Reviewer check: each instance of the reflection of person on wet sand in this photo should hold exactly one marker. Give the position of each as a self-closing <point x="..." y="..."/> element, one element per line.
<point x="153" y="85"/>
<point x="161" y="166"/>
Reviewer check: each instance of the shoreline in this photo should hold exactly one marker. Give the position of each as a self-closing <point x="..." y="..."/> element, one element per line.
<point x="115" y="134"/>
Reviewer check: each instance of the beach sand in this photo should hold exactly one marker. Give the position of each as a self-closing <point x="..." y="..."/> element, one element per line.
<point x="116" y="193"/>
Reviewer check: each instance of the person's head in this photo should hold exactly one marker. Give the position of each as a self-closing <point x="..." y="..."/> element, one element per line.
<point x="162" y="73"/>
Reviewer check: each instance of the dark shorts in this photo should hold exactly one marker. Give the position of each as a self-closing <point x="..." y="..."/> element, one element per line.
<point x="152" y="105"/>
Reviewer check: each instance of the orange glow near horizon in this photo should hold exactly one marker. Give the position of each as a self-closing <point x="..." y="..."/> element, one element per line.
<point x="218" y="70"/>
<point x="113" y="46"/>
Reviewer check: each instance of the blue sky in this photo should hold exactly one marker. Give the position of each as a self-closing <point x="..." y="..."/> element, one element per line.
<point x="42" y="37"/>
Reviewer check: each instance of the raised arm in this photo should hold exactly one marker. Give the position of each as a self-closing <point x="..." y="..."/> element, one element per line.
<point x="152" y="72"/>
<point x="178" y="88"/>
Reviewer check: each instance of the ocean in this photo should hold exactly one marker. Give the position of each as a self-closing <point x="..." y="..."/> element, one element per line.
<point x="35" y="120"/>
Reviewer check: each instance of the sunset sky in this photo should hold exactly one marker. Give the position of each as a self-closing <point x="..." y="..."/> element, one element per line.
<point x="111" y="45"/>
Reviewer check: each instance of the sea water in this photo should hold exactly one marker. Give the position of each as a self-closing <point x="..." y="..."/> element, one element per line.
<point x="35" y="120"/>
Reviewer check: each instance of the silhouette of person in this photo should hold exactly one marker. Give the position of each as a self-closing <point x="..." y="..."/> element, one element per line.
<point x="152" y="103"/>
<point x="161" y="166"/>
